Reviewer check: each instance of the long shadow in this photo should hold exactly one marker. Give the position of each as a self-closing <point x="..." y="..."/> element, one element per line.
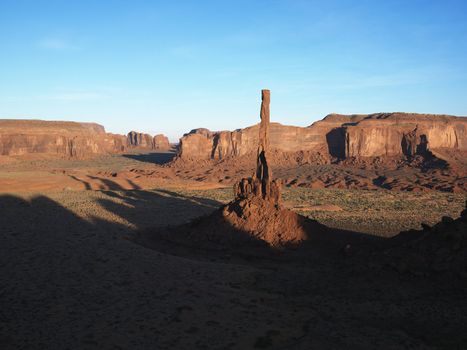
<point x="60" y="272"/>
<point x="201" y="200"/>
<point x="112" y="185"/>
<point x="67" y="282"/>
<point x="211" y="233"/>
<point x="146" y="209"/>
<point x="154" y="157"/>
<point x="86" y="184"/>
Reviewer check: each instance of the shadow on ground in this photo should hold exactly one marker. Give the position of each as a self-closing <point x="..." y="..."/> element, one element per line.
<point x="153" y="158"/>
<point x="73" y="282"/>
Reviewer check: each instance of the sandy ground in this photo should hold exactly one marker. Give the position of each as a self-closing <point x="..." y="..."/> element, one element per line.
<point x="143" y="170"/>
<point x="73" y="277"/>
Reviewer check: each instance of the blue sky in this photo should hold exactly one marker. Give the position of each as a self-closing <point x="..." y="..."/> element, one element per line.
<point x="171" y="66"/>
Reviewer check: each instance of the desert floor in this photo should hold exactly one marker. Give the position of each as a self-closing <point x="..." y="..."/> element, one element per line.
<point x="72" y="275"/>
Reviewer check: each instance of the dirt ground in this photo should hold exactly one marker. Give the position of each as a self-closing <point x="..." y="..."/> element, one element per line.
<point x="143" y="170"/>
<point x="73" y="276"/>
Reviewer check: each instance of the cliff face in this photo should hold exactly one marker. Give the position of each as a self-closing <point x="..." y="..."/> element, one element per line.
<point x="160" y="142"/>
<point x="67" y="139"/>
<point x="138" y="139"/>
<point x="202" y="143"/>
<point x="404" y="134"/>
<point x="146" y="141"/>
<point x="338" y="136"/>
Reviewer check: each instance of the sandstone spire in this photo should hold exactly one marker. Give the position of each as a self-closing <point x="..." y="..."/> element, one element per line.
<point x="261" y="184"/>
<point x="256" y="213"/>
<point x="263" y="172"/>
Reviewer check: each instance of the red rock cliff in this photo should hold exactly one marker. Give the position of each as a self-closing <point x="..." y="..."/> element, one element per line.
<point x="160" y="142"/>
<point x="66" y="139"/>
<point x="339" y="136"/>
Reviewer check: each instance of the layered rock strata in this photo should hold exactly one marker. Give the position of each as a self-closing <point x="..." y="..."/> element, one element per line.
<point x="70" y="139"/>
<point x="160" y="142"/>
<point x="338" y="136"/>
<point x="64" y="139"/>
<point x="141" y="140"/>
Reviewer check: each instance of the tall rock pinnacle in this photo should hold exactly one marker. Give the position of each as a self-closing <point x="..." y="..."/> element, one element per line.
<point x="263" y="172"/>
<point x="261" y="184"/>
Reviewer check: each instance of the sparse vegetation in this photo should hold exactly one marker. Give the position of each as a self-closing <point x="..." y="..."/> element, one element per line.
<point x="383" y="213"/>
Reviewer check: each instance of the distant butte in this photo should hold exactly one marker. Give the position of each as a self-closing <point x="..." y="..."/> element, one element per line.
<point x="70" y="139"/>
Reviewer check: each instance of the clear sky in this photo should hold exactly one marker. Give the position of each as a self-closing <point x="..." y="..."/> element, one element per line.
<point x="171" y="66"/>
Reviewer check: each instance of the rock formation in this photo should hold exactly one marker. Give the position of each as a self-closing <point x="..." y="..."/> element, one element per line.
<point x="69" y="139"/>
<point x="255" y="216"/>
<point x="138" y="139"/>
<point x="385" y="134"/>
<point x="160" y="142"/>
<point x="257" y="209"/>
<point x="261" y="184"/>
<point x="63" y="139"/>
<point x="146" y="141"/>
<point x="438" y="249"/>
<point x="338" y="136"/>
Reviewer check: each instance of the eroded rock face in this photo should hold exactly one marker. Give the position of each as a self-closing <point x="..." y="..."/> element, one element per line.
<point x="65" y="139"/>
<point x="69" y="139"/>
<point x="400" y="133"/>
<point x="222" y="144"/>
<point x="255" y="216"/>
<point x="160" y="142"/>
<point x="261" y="185"/>
<point x="257" y="208"/>
<point x="138" y="139"/>
<point x="414" y="144"/>
<point x="339" y="136"/>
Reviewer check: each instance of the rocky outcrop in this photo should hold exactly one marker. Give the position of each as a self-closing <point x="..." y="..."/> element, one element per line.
<point x="261" y="185"/>
<point x="255" y="218"/>
<point x="65" y="139"/>
<point x="70" y="139"/>
<point x="202" y="143"/>
<point x="338" y="136"/>
<point x="414" y="144"/>
<point x="138" y="139"/>
<point x="441" y="248"/>
<point x="395" y="134"/>
<point x="160" y="142"/>
<point x="141" y="140"/>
